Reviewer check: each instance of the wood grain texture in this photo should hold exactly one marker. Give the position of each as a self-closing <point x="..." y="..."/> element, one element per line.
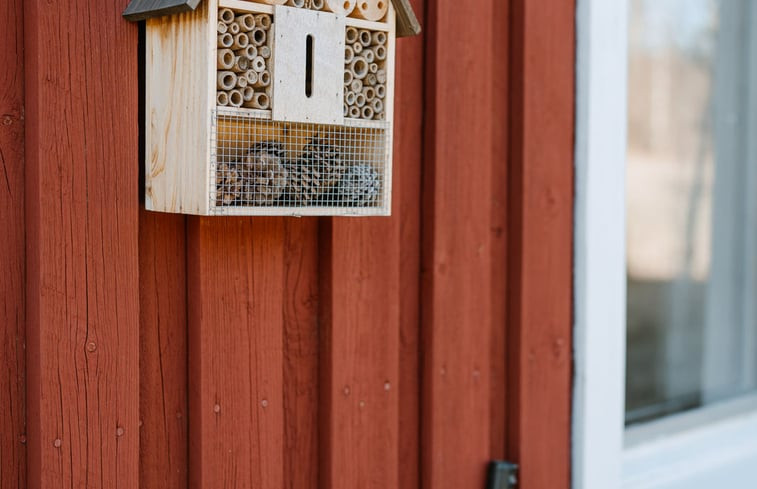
<point x="542" y="61"/>
<point x="360" y="353"/>
<point x="301" y="348"/>
<point x="236" y="364"/>
<point x="163" y="409"/>
<point x="12" y="259"/>
<point x="82" y="245"/>
<point x="408" y="158"/>
<point x="457" y="248"/>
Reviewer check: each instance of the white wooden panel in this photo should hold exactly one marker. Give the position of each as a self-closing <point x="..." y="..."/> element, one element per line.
<point x="600" y="278"/>
<point x="290" y="102"/>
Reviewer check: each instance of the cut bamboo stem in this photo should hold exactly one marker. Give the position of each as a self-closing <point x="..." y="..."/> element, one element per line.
<point x="222" y="98"/>
<point x="381" y="91"/>
<point x="225" y="40"/>
<point x="370" y="94"/>
<point x="296" y="3"/>
<point x="367" y="112"/>
<point x="359" y="67"/>
<point x="370" y="79"/>
<point x="222" y="27"/>
<point x="248" y="94"/>
<point x="249" y="52"/>
<point x="356" y="86"/>
<point x="240" y="41"/>
<point x="350" y="98"/>
<point x="349" y="54"/>
<point x="246" y="22"/>
<point x="365" y="38"/>
<point x="236" y="99"/>
<point x="258" y="36"/>
<point x="234" y="29"/>
<point x="380" y="52"/>
<point x="260" y="101"/>
<point x="241" y="65"/>
<point x="265" y="52"/>
<point x="346" y="110"/>
<point x="355" y="112"/>
<point x="351" y="35"/>
<point x="252" y="77"/>
<point x="348" y="77"/>
<point x="258" y="64"/>
<point x="360" y="100"/>
<point x="357" y="48"/>
<point x="378" y="38"/>
<point x="226" y="15"/>
<point x="241" y="82"/>
<point x="373" y="68"/>
<point x="264" y="80"/>
<point x="368" y="55"/>
<point x="381" y="76"/>
<point x="263" y="21"/>
<point x="226" y="80"/>
<point x="316" y="4"/>
<point x="225" y="59"/>
<point x="378" y="106"/>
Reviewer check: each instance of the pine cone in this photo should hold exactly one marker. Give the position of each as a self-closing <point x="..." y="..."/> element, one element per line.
<point x="360" y="186"/>
<point x="264" y="173"/>
<point x="326" y="159"/>
<point x="228" y="184"/>
<point x="305" y="184"/>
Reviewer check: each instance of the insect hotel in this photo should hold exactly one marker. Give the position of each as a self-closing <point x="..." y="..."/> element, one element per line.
<point x="270" y="107"/>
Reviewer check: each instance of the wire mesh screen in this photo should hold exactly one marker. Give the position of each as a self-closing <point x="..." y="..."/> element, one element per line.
<point x="284" y="166"/>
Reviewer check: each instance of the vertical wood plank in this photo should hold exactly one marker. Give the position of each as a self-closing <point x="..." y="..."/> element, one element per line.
<point x="457" y="248"/>
<point x="408" y="160"/>
<point x="12" y="259"/>
<point x="301" y="348"/>
<point x="542" y="61"/>
<point x="82" y="244"/>
<point x="360" y="353"/>
<point x="163" y="410"/>
<point x="236" y="278"/>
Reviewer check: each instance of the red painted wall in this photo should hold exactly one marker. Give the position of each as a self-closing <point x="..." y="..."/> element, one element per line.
<point x="150" y="350"/>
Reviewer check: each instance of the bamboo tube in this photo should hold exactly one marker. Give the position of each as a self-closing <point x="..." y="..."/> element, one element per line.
<point x="354" y="112"/>
<point x="241" y="64"/>
<point x="378" y="106"/>
<point x="225" y="59"/>
<point x="339" y="7"/>
<point x="234" y="29"/>
<point x="357" y="48"/>
<point x="248" y="94"/>
<point x="372" y="10"/>
<point x="263" y="21"/>
<point x="381" y="90"/>
<point x="364" y="37"/>
<point x="370" y="80"/>
<point x="368" y="55"/>
<point x="378" y="38"/>
<point x="240" y="41"/>
<point x="226" y="15"/>
<point x="380" y="52"/>
<point x="222" y="98"/>
<point x="246" y="22"/>
<point x="359" y="67"/>
<point x="235" y="98"/>
<point x="373" y="68"/>
<point x="346" y="110"/>
<point x="360" y="100"/>
<point x="356" y="86"/>
<point x="241" y="81"/>
<point x="265" y="52"/>
<point x="348" y="77"/>
<point x="249" y="52"/>
<point x="296" y="3"/>
<point x="350" y="98"/>
<point x="264" y="80"/>
<point x="225" y="40"/>
<point x="222" y="27"/>
<point x="261" y="101"/>
<point x="258" y="64"/>
<point x="226" y="80"/>
<point x="349" y="54"/>
<point x="367" y="112"/>
<point x="316" y="4"/>
<point x="370" y="94"/>
<point x="252" y="77"/>
<point x="381" y="76"/>
<point x="351" y="35"/>
<point x="258" y="36"/>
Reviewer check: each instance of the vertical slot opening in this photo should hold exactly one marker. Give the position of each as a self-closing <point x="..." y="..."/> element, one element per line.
<point x="309" y="46"/>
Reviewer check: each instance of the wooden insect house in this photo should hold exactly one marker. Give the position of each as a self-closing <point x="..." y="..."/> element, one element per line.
<point x="270" y="107"/>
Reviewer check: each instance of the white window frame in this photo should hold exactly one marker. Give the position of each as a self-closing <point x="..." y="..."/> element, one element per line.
<point x="711" y="447"/>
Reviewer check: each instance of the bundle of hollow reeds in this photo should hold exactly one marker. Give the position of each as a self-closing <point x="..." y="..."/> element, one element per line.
<point x="244" y="56"/>
<point x="365" y="74"/>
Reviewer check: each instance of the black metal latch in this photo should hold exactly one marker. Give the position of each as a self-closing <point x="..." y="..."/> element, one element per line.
<point x="502" y="475"/>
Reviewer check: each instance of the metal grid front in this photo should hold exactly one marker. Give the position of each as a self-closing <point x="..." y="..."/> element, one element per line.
<point x="259" y="166"/>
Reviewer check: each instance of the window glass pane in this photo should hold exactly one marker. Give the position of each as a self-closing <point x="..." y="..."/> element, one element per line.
<point x="692" y="205"/>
